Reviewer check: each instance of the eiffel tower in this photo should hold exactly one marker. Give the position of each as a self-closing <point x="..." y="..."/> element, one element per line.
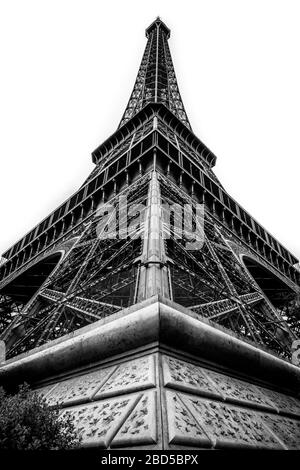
<point x="150" y="305"/>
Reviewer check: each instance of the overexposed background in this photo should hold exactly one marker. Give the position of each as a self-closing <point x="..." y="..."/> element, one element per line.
<point x="68" y="68"/>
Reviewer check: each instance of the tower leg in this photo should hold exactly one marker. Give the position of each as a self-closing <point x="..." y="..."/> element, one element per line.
<point x="154" y="277"/>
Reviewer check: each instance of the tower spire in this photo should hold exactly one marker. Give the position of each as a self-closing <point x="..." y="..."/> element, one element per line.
<point x="156" y="80"/>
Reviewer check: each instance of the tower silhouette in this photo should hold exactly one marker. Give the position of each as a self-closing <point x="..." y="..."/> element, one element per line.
<point x="152" y="293"/>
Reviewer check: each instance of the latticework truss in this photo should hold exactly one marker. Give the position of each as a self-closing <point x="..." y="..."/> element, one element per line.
<point x="156" y="80"/>
<point x="214" y="283"/>
<point x="95" y="279"/>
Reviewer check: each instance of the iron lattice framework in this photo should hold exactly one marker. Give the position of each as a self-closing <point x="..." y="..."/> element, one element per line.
<point x="156" y="80"/>
<point x="93" y="257"/>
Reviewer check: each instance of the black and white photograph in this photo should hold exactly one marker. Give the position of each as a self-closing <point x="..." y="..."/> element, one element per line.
<point x="149" y="243"/>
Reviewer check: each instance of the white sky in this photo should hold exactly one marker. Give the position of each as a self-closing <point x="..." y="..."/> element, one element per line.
<point x="68" y="68"/>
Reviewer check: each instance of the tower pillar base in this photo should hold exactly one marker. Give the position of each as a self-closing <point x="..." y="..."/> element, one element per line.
<point x="157" y="376"/>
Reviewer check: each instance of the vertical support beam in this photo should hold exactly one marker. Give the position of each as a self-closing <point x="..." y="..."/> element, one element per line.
<point x="153" y="278"/>
<point x="156" y="64"/>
